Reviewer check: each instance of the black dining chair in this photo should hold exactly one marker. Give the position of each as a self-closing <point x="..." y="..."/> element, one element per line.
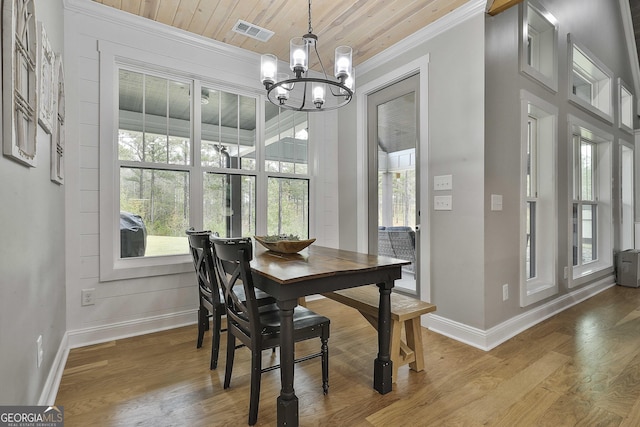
<point x="258" y="327"/>
<point x="210" y="298"/>
<point x="210" y="302"/>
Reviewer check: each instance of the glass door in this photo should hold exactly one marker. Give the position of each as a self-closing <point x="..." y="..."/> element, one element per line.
<point x="392" y="135"/>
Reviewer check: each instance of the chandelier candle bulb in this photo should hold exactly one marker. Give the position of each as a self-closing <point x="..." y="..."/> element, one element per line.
<point x="318" y="94"/>
<point x="283" y="90"/>
<point x="299" y="60"/>
<point x="268" y="67"/>
<point x="342" y="65"/>
<point x="350" y="82"/>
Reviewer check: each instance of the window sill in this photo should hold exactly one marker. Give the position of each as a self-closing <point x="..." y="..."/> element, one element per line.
<point x="589" y="272"/>
<point x="144" y="267"/>
<point x="537" y="290"/>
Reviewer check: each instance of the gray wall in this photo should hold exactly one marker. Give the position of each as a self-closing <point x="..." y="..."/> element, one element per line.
<point x="456" y="146"/>
<point x="474" y="135"/>
<point x="32" y="266"/>
<point x="502" y="134"/>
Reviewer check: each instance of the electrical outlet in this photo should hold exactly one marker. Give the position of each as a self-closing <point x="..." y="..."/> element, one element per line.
<point x="505" y="292"/>
<point x="88" y="296"/>
<point x="39" y="351"/>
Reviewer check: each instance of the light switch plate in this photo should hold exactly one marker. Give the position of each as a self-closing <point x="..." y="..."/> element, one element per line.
<point x="443" y="203"/>
<point x="443" y="182"/>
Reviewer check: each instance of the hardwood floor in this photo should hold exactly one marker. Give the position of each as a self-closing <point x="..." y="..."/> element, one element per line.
<point x="578" y="368"/>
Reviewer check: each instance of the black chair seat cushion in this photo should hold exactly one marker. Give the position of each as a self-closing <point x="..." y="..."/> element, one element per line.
<point x="303" y="318"/>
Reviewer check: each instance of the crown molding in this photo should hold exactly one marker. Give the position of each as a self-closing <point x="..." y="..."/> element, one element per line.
<point x="450" y="20"/>
<point x="115" y="16"/>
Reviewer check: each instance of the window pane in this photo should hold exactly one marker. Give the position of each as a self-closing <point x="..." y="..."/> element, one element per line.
<point x="404" y="198"/>
<point x="587" y="166"/>
<point x="229" y="204"/>
<point x="210" y="125"/>
<point x="532" y="158"/>
<point x="228" y="130"/>
<point x="589" y="233"/>
<point x="247" y="133"/>
<point x="576" y="233"/>
<point x="287" y="141"/>
<point x="154" y="119"/>
<point x="288" y="207"/>
<point x="531" y="240"/>
<point x="161" y="199"/>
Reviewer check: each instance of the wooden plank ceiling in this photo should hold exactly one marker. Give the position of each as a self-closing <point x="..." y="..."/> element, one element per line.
<point x="368" y="26"/>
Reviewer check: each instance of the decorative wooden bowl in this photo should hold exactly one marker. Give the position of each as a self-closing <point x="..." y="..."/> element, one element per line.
<point x="284" y="246"/>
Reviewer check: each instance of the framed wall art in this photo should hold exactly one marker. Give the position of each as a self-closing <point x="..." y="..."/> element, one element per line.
<point x="46" y="83"/>
<point x="58" y="134"/>
<point x="19" y="81"/>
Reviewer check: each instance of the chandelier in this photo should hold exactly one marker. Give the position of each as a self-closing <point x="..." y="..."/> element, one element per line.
<point x="302" y="92"/>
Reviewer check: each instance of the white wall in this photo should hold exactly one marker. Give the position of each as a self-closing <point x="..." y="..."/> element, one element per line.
<point x="129" y="307"/>
<point x="32" y="269"/>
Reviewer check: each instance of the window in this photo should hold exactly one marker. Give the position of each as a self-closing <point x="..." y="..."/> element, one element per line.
<point x="190" y="153"/>
<point x="590" y="82"/>
<point x="591" y="201"/>
<point x="286" y="164"/>
<point x="585" y="204"/>
<point x="625" y="107"/>
<point x="538" y="44"/>
<point x="154" y="159"/>
<point x="539" y="212"/>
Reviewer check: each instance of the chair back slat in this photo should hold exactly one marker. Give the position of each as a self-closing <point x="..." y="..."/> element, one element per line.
<point x="202" y="252"/>
<point x="232" y="258"/>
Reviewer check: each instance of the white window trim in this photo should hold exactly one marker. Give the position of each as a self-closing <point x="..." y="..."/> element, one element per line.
<point x="112" y="267"/>
<point x="604" y="143"/>
<point x="608" y="83"/>
<point x="550" y="52"/>
<point x="625" y="102"/>
<point x="546" y="283"/>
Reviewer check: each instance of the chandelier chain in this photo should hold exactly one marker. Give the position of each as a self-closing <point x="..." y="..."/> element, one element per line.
<point x="310" y="27"/>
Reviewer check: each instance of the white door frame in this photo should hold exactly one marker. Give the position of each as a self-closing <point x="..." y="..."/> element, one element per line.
<point x="421" y="66"/>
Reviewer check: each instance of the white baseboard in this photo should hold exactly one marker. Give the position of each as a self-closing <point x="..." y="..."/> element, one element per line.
<point x="50" y="389"/>
<point x="104" y="333"/>
<point x="491" y="338"/>
<point x="484" y="340"/>
<point x="130" y="328"/>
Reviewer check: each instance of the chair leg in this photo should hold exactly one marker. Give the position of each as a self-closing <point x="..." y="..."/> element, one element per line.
<point x="203" y="322"/>
<point x="231" y="350"/>
<point x="256" y="374"/>
<point x="325" y="360"/>
<point x="215" y="340"/>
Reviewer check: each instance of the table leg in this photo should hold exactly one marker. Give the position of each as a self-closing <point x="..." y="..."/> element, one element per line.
<point x="383" y="366"/>
<point x="287" y="401"/>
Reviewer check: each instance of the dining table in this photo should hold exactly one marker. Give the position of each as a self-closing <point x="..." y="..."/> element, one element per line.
<point x="316" y="270"/>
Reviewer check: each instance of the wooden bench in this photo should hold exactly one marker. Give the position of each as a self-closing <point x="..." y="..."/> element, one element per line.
<point x="405" y="311"/>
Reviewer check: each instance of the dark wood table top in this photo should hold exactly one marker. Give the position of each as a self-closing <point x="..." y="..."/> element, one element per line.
<point x="316" y="262"/>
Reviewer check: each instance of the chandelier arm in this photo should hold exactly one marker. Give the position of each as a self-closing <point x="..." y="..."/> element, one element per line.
<point x="345" y="97"/>
<point x="315" y="47"/>
<point x="304" y="92"/>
